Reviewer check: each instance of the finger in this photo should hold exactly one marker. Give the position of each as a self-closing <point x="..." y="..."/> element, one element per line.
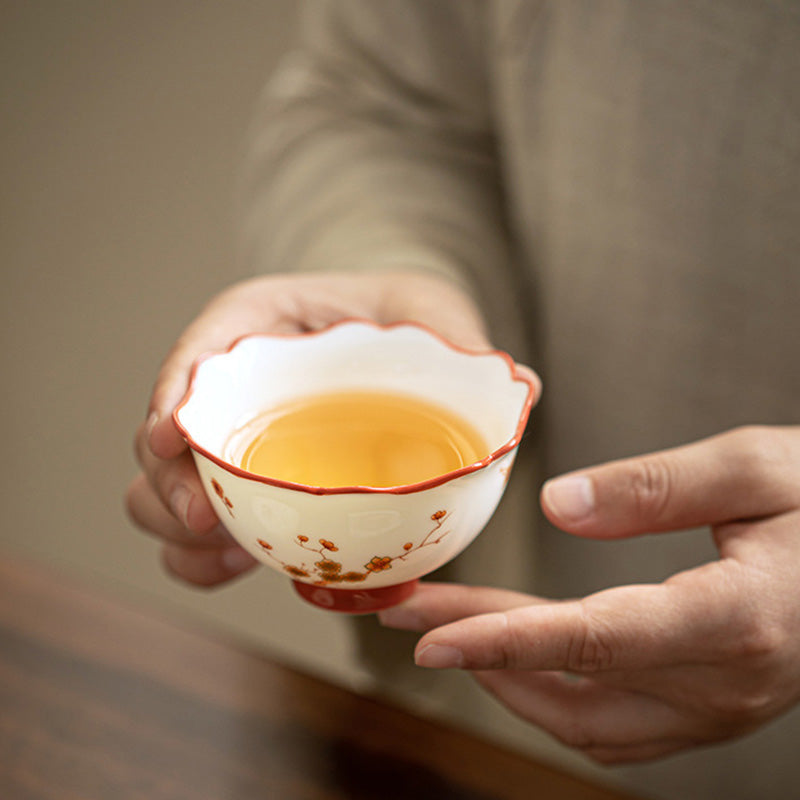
<point x="437" y="302"/>
<point x="449" y="310"/>
<point x="163" y="438"/>
<point x="148" y="512"/>
<point x="206" y="567"/>
<point x="626" y="628"/>
<point x="436" y="604"/>
<point x="750" y="472"/>
<point x="178" y="486"/>
<point x="242" y="309"/>
<point x="586" y="715"/>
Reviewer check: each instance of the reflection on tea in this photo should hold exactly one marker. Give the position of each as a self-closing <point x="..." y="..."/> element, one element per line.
<point x="356" y="439"/>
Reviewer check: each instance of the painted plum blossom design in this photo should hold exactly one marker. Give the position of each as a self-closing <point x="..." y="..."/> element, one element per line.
<point x="328" y="570"/>
<point x="220" y="492"/>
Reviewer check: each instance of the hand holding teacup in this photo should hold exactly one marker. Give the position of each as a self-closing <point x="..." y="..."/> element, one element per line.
<point x="167" y="499"/>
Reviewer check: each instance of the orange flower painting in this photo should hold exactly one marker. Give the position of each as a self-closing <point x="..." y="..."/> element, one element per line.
<point x="328" y="571"/>
<point x="220" y="492"/>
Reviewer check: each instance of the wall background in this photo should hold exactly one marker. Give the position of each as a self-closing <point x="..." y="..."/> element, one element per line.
<point x="123" y="127"/>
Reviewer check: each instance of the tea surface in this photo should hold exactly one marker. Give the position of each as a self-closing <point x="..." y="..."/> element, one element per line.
<point x="357" y="439"/>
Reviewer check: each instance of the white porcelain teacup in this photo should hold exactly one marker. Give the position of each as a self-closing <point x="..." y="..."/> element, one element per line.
<point x="355" y="549"/>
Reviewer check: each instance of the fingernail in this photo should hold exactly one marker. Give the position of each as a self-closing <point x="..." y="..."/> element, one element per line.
<point x="179" y="502"/>
<point x="438" y="656"/>
<point x="237" y="560"/>
<point x="152" y="421"/>
<point x="401" y="617"/>
<point x="570" y="498"/>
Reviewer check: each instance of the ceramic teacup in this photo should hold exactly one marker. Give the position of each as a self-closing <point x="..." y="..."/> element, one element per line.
<point x="354" y="549"/>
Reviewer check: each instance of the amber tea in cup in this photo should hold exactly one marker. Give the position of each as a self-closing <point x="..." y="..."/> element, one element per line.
<point x="356" y="438"/>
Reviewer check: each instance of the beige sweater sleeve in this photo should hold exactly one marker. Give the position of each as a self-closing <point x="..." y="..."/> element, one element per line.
<point x="373" y="147"/>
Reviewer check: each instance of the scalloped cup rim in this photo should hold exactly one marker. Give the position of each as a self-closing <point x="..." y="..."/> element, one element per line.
<point x="516" y="374"/>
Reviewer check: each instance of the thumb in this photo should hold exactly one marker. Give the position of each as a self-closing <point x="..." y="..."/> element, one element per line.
<point x="230" y="315"/>
<point x="173" y="378"/>
<point x="736" y="475"/>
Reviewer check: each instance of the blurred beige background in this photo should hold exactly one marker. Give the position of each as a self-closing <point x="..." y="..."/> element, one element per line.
<point x="123" y="127"/>
<point x="122" y="131"/>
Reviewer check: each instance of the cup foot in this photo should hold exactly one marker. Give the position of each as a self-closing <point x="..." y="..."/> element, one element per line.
<point x="355" y="601"/>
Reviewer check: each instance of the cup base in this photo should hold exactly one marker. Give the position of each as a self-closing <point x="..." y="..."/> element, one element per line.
<point x="355" y="601"/>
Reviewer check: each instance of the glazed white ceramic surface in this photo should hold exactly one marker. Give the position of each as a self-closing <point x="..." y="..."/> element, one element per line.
<point x="354" y="538"/>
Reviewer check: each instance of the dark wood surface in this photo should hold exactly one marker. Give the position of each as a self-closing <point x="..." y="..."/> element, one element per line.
<point x="103" y="699"/>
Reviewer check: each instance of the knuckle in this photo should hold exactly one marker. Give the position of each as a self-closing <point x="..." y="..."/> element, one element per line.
<point x="763" y="453"/>
<point x="758" y="639"/>
<point x="510" y="647"/>
<point x="591" y="647"/>
<point x="651" y="484"/>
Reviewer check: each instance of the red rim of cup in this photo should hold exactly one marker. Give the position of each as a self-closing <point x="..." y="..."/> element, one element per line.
<point x="517" y="375"/>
